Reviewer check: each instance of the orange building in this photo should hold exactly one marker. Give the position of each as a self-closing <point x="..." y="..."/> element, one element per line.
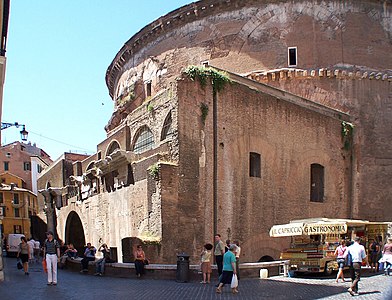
<point x="17" y="205"/>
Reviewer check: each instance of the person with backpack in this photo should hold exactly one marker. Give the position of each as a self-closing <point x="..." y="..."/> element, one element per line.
<point x="52" y="256"/>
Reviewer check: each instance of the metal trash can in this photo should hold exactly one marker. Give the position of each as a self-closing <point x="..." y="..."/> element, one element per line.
<point x="182" y="267"/>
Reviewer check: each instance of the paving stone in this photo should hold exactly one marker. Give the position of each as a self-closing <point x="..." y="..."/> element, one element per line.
<point x="73" y="285"/>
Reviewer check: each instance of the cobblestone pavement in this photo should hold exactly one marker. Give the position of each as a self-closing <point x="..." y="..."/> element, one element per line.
<point x="73" y="285"/>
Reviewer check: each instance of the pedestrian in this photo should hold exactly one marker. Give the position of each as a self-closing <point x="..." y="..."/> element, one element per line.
<point x="218" y="252"/>
<point x="374" y="251"/>
<point x="140" y="257"/>
<point x="358" y="254"/>
<point x="229" y="269"/>
<point x="88" y="255"/>
<point x="227" y="246"/>
<point x="37" y="250"/>
<point x="31" y="243"/>
<point x="24" y="254"/>
<point x="339" y="252"/>
<point x="206" y="263"/>
<point x="100" y="264"/>
<point x="237" y="258"/>
<point x="387" y="256"/>
<point x="52" y="256"/>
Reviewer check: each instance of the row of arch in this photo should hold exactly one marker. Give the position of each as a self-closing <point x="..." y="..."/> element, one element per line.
<point x="144" y="139"/>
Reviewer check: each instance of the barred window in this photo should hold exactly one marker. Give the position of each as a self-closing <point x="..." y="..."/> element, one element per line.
<point x="27" y="166"/>
<point x="144" y="140"/>
<point x="113" y="147"/>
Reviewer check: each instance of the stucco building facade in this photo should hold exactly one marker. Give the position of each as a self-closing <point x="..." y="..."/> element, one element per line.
<point x="301" y="130"/>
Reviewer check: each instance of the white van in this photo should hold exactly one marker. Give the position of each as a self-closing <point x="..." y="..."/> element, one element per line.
<point x="13" y="241"/>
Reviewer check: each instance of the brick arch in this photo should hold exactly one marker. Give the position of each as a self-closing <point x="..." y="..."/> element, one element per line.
<point x="74" y="231"/>
<point x="114" y="145"/>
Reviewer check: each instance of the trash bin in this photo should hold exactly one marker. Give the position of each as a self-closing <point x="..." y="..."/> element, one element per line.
<point x="182" y="267"/>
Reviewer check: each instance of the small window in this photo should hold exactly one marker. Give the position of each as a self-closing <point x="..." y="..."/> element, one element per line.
<point x="39" y="168"/>
<point x="6" y="166"/>
<point x="99" y="156"/>
<point x="254" y="165"/>
<point x="2" y="211"/>
<point x="27" y="166"/>
<point x="15" y="199"/>
<point x="8" y="154"/>
<point x="1" y="198"/>
<point x="292" y="56"/>
<point x="167" y="128"/>
<point x="148" y="89"/>
<point x="17" y="229"/>
<point x="16" y="212"/>
<point x="144" y="140"/>
<point x="316" y="183"/>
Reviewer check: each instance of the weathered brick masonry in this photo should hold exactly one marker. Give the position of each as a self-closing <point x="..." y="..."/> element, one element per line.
<point x="175" y="166"/>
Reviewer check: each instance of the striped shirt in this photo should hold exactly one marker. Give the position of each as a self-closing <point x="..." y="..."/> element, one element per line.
<point x="51" y="246"/>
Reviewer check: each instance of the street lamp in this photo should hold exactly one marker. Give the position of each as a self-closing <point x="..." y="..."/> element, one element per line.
<point x="23" y="132"/>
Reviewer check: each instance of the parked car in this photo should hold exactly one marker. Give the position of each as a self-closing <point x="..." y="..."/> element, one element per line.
<point x="13" y="241"/>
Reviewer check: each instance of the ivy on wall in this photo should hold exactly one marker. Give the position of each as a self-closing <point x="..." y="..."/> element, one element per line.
<point x="217" y="78"/>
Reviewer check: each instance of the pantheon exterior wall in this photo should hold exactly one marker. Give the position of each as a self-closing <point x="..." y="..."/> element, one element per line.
<point x="287" y="111"/>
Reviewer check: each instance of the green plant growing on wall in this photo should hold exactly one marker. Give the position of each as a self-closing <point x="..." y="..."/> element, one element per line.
<point x="204" y="112"/>
<point x="218" y="79"/>
<point x="347" y="134"/>
<point x="153" y="170"/>
<point x="150" y="107"/>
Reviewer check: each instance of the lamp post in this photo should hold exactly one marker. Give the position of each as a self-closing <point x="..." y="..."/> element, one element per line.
<point x="23" y="132"/>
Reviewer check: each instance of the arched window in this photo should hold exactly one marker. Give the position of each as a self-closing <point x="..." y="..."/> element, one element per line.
<point x="167" y="128"/>
<point x="144" y="140"/>
<point x="90" y="166"/>
<point x="113" y="147"/>
<point x="316" y="183"/>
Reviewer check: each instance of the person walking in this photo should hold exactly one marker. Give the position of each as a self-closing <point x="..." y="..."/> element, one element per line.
<point x="140" y="257"/>
<point x="339" y="252"/>
<point x="387" y="256"/>
<point x="374" y="252"/>
<point x="237" y="258"/>
<point x="358" y="254"/>
<point x="206" y="263"/>
<point x="24" y="254"/>
<point x="229" y="269"/>
<point x="51" y="255"/>
<point x="218" y="252"/>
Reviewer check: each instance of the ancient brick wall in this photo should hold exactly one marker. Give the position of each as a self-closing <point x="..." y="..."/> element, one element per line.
<point x="367" y="96"/>
<point x="289" y="139"/>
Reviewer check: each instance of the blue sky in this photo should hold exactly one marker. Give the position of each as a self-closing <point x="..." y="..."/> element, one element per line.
<point x="57" y="56"/>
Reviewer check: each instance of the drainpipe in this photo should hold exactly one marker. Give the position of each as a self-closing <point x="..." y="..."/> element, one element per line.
<point x="215" y="160"/>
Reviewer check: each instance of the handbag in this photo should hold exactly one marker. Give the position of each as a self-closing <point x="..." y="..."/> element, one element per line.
<point x="234" y="281"/>
<point x="44" y="266"/>
<point x="19" y="264"/>
<point x="146" y="262"/>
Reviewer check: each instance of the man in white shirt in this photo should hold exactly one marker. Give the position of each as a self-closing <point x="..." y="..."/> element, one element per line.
<point x="358" y="254"/>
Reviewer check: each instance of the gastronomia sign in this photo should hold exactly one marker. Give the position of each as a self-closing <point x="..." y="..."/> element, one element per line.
<point x="293" y="229"/>
<point x="322" y="228"/>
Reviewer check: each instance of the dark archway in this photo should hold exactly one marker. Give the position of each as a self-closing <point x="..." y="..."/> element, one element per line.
<point x="266" y="258"/>
<point x="74" y="233"/>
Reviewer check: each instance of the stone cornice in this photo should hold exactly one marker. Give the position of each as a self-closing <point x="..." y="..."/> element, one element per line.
<point x="338" y="73"/>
